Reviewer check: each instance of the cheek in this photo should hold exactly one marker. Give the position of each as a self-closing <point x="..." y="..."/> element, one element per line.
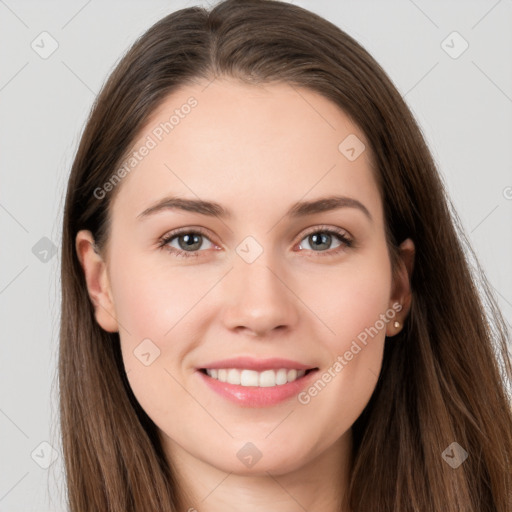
<point x="151" y="299"/>
<point x="158" y="310"/>
<point x="351" y="300"/>
<point x="353" y="305"/>
<point x="151" y="309"/>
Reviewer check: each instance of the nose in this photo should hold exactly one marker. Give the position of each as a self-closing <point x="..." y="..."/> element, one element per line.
<point x="260" y="300"/>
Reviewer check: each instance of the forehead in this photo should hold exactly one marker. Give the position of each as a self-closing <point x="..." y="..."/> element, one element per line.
<point x="247" y="146"/>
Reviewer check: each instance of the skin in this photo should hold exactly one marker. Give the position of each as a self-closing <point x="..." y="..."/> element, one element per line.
<point x="256" y="150"/>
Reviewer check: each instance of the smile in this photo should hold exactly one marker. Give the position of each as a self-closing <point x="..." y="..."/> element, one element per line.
<point x="252" y="378"/>
<point x="251" y="388"/>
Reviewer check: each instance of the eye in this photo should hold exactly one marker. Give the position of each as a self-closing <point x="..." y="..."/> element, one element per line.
<point x="189" y="241"/>
<point x="321" y="238"/>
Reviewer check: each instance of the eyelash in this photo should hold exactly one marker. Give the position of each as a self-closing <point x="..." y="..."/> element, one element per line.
<point x="346" y="242"/>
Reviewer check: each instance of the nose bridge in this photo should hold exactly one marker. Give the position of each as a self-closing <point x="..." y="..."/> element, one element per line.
<point x="258" y="298"/>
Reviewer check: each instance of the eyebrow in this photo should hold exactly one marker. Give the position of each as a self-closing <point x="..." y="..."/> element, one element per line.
<point x="213" y="209"/>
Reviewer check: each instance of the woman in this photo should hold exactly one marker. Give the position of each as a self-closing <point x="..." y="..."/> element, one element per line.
<point x="265" y="299"/>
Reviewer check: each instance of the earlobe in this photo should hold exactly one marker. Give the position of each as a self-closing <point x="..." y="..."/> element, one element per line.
<point x="402" y="294"/>
<point x="96" y="277"/>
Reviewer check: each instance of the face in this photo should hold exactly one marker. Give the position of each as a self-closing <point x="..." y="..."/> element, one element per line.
<point x="288" y="297"/>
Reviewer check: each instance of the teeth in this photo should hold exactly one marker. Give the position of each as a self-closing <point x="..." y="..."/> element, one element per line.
<point x="233" y="376"/>
<point x="265" y="379"/>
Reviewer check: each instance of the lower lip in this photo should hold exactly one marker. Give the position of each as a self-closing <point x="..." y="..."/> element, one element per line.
<point x="253" y="396"/>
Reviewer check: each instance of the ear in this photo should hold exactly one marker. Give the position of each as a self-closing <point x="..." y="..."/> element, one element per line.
<point x="401" y="293"/>
<point x="98" y="284"/>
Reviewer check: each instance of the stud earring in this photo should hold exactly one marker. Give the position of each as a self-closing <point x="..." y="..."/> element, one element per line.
<point x="396" y="324"/>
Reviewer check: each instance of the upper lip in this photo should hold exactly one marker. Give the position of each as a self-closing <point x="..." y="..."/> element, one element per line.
<point x="250" y="363"/>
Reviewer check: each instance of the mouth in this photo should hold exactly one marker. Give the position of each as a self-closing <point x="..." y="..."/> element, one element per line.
<point x="257" y="379"/>
<point x="256" y="382"/>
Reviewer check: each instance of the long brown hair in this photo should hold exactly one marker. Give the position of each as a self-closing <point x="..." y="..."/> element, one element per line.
<point x="444" y="377"/>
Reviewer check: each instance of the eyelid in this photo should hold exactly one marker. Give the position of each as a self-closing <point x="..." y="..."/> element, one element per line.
<point x="325" y="227"/>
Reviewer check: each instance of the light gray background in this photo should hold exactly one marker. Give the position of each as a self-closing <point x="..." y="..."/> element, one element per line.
<point x="463" y="104"/>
